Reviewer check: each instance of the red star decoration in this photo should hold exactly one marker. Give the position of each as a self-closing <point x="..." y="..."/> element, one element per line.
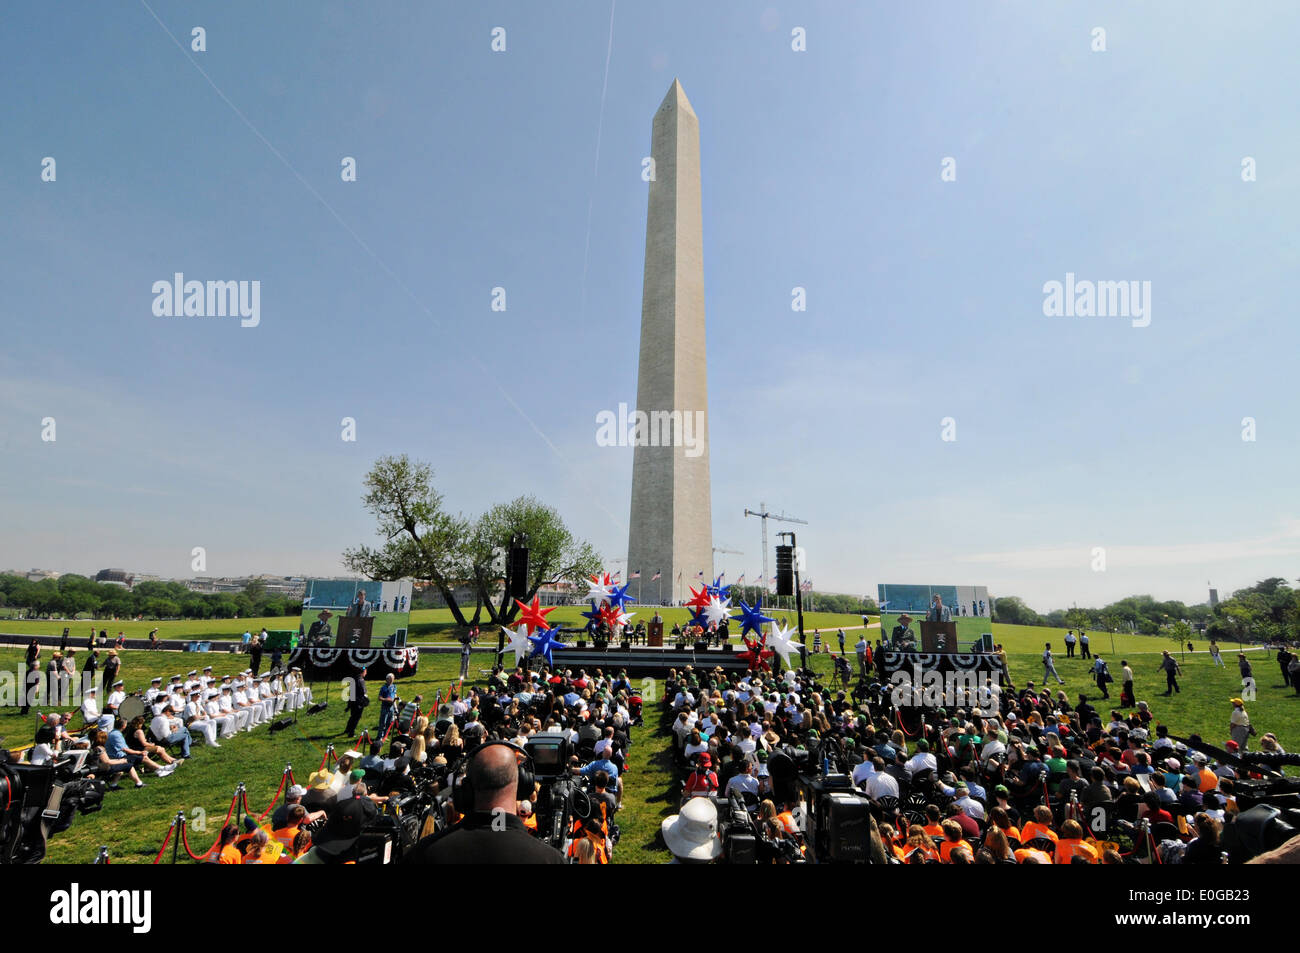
<point x="757" y="656"/>
<point x="609" y="615"/>
<point x="533" y="616"/>
<point x="699" y="599"/>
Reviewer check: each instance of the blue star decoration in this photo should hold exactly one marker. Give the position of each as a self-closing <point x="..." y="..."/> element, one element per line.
<point x="751" y="618"/>
<point x="592" y="617"/>
<point x="618" y="597"/>
<point x="544" y="642"/>
<point x="719" y="590"/>
<point x="700" y="619"/>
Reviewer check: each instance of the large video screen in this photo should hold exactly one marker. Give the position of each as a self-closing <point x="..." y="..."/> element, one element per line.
<point x="968" y="606"/>
<point x="356" y="613"/>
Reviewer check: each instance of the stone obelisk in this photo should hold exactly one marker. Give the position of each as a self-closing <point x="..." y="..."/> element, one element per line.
<point x="671" y="527"/>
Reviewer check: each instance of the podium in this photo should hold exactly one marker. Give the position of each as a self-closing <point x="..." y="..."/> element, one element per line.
<point x="655" y="634"/>
<point x="354" y="632"/>
<point x="938" y="637"/>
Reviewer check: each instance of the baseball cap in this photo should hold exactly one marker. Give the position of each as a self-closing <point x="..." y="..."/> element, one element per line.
<point x="344" y="826"/>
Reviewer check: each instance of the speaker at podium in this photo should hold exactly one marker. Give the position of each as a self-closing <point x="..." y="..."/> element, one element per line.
<point x="655" y="634"/>
<point x="938" y="636"/>
<point x="354" y="632"/>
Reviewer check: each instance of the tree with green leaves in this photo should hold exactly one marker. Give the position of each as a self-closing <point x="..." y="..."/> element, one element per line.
<point x="1181" y="633"/>
<point x="554" y="554"/>
<point x="422" y="540"/>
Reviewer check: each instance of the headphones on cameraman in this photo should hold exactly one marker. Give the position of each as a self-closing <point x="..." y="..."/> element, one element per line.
<point x="462" y="789"/>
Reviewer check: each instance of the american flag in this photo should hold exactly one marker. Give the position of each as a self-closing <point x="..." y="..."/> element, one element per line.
<point x="741" y="580"/>
<point x="635" y="574"/>
<point x="807" y="586"/>
<point x="657" y="575"/>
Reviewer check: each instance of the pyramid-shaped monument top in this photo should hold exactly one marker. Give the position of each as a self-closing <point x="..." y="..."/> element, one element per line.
<point x="677" y="98"/>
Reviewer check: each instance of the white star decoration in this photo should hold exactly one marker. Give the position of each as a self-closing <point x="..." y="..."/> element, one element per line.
<point x="778" y="640"/>
<point x="518" y="643"/>
<point x="717" y="609"/>
<point x="598" y="591"/>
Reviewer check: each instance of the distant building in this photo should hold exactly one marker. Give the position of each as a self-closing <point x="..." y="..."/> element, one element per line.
<point x="1214" y="598"/>
<point x="116" y="577"/>
<point x="290" y="587"/>
<point x="39" y="575"/>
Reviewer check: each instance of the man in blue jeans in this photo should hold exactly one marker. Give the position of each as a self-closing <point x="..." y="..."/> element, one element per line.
<point x="387" y="703"/>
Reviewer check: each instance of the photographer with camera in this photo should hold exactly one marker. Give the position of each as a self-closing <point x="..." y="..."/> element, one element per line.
<point x="491" y="831"/>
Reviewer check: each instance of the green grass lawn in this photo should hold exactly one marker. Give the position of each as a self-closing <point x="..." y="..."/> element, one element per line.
<point x="133" y="823"/>
<point x="427" y="625"/>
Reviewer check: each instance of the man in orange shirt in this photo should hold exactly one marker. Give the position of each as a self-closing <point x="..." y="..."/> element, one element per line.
<point x="932" y="825"/>
<point x="1072" y="844"/>
<point x="1209" y="780"/>
<point x="1040" y="826"/>
<point x="953" y="843"/>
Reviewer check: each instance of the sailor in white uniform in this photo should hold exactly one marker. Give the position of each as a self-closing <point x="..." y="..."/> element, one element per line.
<point x="227" y="723"/>
<point x="197" y="721"/>
<point x="244" y="703"/>
<point x="116" y="696"/>
<point x="90" y="705"/>
<point x="228" y="705"/>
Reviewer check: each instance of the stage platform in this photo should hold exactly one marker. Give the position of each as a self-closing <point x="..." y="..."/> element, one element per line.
<point x="646" y="660"/>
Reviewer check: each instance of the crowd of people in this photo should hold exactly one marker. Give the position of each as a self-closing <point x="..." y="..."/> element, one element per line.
<point x="1035" y="778"/>
<point x="476" y="736"/>
<point x="111" y="734"/>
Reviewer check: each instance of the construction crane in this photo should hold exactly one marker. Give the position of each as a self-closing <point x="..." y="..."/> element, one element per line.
<point x="764" y="515"/>
<point x="719" y="549"/>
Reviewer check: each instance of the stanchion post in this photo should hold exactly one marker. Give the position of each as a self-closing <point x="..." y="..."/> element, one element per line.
<point x="179" y="824"/>
<point x="239" y="804"/>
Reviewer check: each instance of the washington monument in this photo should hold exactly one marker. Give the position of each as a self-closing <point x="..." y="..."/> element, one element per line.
<point x="671" y="526"/>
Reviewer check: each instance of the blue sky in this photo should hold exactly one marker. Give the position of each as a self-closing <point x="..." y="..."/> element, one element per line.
<point x="821" y="169"/>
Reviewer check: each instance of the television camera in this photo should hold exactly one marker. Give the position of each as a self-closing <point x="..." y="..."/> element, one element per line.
<point x="38" y="801"/>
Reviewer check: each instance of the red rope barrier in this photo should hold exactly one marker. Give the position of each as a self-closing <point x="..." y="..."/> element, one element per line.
<point x="898" y="715"/>
<point x="166" y="841"/>
<point x="286" y="776"/>
<point x="185" y="841"/>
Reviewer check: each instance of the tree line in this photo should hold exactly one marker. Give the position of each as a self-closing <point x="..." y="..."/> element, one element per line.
<point x="71" y="595"/>
<point x="1268" y="610"/>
